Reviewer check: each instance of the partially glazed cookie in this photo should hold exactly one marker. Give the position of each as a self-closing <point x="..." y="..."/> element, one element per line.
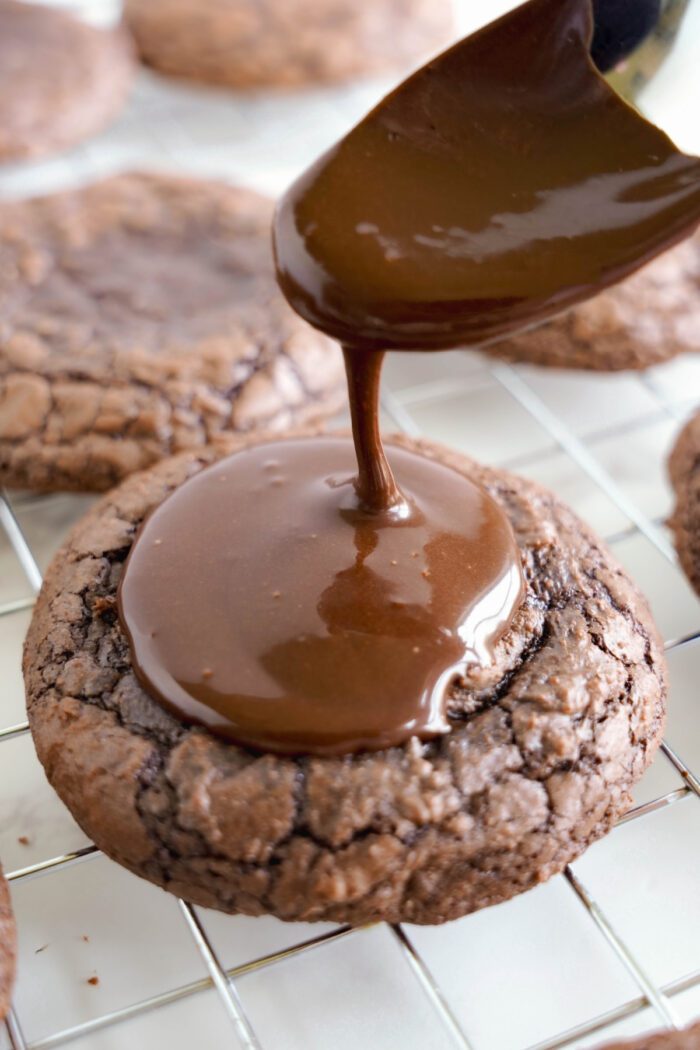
<point x="684" y="468"/>
<point x="544" y="745"/>
<point x="60" y="79"/>
<point x="8" y="948"/>
<point x="647" y="319"/>
<point x="139" y="317"/>
<point x="687" y="1039"/>
<point x="248" y="43"/>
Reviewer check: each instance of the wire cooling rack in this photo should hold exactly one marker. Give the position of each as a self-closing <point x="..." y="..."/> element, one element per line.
<point x="585" y="436"/>
<point x="226" y="981"/>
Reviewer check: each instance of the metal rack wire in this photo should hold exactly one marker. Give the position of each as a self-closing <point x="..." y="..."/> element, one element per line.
<point x="659" y="998"/>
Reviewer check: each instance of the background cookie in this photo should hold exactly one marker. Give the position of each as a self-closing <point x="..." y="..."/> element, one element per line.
<point x="687" y="1039"/>
<point x="684" y="468"/>
<point x="60" y="79"/>
<point x="139" y="317"/>
<point x="545" y="746"/>
<point x="649" y="318"/>
<point x="8" y="947"/>
<point x="243" y="43"/>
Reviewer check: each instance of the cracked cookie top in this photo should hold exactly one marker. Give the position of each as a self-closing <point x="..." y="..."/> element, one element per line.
<point x="140" y="317"/>
<point x="544" y="746"/>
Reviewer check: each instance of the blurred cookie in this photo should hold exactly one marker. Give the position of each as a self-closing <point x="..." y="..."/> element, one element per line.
<point x="60" y="79"/>
<point x="647" y="319"/>
<point x="684" y="469"/>
<point x="8" y="948"/>
<point x="545" y="742"/>
<point x="247" y="43"/>
<point x="140" y="317"/>
<point x="687" y="1039"/>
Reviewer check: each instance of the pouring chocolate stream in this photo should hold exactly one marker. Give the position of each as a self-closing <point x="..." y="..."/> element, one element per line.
<point x="291" y="603"/>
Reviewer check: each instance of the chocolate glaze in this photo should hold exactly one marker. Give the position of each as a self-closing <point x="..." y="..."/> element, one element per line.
<point x="502" y="182"/>
<point x="284" y="602"/>
<point x="263" y="601"/>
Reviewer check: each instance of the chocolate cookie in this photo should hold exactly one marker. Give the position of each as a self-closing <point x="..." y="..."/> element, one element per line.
<point x="8" y="948"/>
<point x="139" y="317"/>
<point x="687" y="1039"/>
<point x="60" y="79"/>
<point x="247" y="43"/>
<point x="647" y="319"/>
<point x="544" y="746"/>
<point x="684" y="468"/>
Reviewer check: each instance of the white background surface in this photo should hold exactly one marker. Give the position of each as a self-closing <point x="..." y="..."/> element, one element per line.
<point x="516" y="975"/>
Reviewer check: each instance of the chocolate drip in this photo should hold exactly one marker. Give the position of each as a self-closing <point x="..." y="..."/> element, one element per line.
<point x="376" y="488"/>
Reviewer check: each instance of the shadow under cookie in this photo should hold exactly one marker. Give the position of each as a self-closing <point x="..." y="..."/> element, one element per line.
<point x="544" y="745"/>
<point x="140" y="317"/>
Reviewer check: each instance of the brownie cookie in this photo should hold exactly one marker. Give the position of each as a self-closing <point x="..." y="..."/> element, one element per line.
<point x="647" y="319"/>
<point x="684" y="468"/>
<point x="60" y="79"/>
<point x="139" y="317"/>
<point x="248" y="43"/>
<point x="545" y="743"/>
<point x="8" y="948"/>
<point x="687" y="1039"/>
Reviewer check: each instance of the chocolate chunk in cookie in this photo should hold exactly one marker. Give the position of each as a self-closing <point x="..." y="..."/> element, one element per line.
<point x="544" y="745"/>
<point x="139" y="317"/>
<point x="60" y="79"/>
<point x="247" y="43"/>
